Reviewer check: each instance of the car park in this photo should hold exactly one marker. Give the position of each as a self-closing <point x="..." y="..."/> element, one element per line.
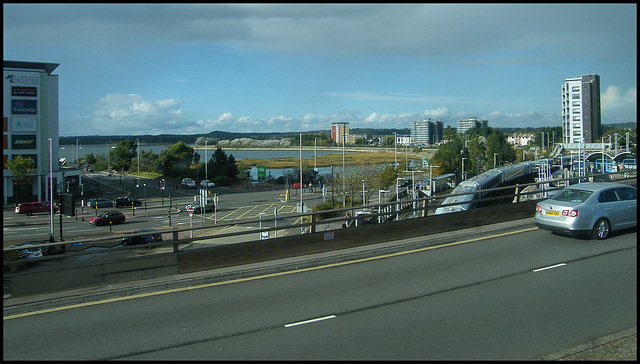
<point x="126" y="201"/>
<point x="30" y="208"/>
<point x="188" y="183"/>
<point x="592" y="208"/>
<point x="100" y="202"/>
<point x="108" y="218"/>
<point x="209" y="205"/>
<point x="154" y="236"/>
<point x="205" y="183"/>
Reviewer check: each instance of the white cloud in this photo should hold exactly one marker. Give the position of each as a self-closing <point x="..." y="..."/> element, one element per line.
<point x="630" y="96"/>
<point x="609" y="97"/>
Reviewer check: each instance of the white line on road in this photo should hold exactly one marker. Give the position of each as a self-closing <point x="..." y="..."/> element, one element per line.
<point x="549" y="267"/>
<point x="310" y="321"/>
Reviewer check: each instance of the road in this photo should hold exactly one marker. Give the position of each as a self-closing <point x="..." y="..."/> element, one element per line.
<point x="514" y="296"/>
<point x="240" y="202"/>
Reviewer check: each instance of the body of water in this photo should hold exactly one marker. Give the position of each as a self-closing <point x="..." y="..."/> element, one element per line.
<point x="71" y="152"/>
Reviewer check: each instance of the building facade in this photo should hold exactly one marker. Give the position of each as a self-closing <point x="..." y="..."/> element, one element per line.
<point x="426" y="132"/>
<point x="30" y="129"/>
<point x="581" y="119"/>
<point x="464" y="125"/>
<point x="340" y="132"/>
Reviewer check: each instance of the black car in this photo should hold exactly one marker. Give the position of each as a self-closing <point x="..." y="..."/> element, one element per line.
<point x="126" y="201"/>
<point x="143" y="239"/>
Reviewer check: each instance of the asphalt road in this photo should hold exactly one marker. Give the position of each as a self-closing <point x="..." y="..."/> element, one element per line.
<point x="234" y="203"/>
<point x="515" y="296"/>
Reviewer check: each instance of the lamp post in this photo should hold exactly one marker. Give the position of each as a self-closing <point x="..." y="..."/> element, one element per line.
<point x="395" y="149"/>
<point x="397" y="197"/>
<point x="379" y="202"/>
<point x="138" y="139"/>
<point x="51" y="190"/>
<point x="494" y="160"/>
<point x="463" y="175"/>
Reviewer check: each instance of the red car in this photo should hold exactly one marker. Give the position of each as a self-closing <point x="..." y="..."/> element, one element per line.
<point x="108" y="218"/>
<point x="30" y="208"/>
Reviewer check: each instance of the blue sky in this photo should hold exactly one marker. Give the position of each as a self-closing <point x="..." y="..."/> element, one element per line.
<point x="195" y="68"/>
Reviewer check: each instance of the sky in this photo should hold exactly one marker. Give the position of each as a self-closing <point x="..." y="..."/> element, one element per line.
<point x="150" y="69"/>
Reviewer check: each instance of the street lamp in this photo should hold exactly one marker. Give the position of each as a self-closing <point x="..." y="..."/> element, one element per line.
<point x="51" y="189"/>
<point x="138" y="139"/>
<point x="463" y="175"/>
<point x="379" y="202"/>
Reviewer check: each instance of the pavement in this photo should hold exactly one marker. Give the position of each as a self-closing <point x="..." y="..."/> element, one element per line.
<point x="617" y="346"/>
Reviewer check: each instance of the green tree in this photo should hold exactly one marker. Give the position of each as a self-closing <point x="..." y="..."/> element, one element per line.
<point x="22" y="169"/>
<point x="176" y="160"/>
<point x="449" y="156"/>
<point x="122" y="155"/>
<point x="90" y="158"/>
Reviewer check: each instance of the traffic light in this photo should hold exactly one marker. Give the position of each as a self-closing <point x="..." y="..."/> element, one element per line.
<point x="137" y="182"/>
<point x="162" y="184"/>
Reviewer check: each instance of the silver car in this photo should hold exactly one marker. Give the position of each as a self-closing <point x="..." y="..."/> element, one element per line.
<point x="589" y="208"/>
<point x="209" y="205"/>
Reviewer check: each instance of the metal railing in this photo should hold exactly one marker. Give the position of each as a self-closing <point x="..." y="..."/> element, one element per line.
<point x="302" y="223"/>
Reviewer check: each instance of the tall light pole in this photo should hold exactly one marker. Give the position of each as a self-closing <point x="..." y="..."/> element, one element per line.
<point x="206" y="171"/>
<point x="138" y="139"/>
<point x="301" y="188"/>
<point x="51" y="189"/>
<point x="395" y="149"/>
<point x="463" y="176"/>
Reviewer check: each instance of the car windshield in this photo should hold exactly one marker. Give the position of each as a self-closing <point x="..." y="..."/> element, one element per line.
<point x="572" y="195"/>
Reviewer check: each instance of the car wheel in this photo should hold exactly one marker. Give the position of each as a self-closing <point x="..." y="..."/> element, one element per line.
<point x="29" y="213"/>
<point x="601" y="229"/>
<point x="125" y="242"/>
<point x="118" y="206"/>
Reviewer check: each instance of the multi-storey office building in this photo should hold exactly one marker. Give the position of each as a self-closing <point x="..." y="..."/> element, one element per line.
<point x="426" y="132"/>
<point x="30" y="124"/>
<point x="581" y="121"/>
<point x="464" y="125"/>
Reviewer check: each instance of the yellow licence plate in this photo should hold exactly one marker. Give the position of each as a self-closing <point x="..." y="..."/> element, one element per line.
<point x="553" y="213"/>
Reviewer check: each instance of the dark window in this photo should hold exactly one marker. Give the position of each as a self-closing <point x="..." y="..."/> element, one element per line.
<point x="608" y="196"/>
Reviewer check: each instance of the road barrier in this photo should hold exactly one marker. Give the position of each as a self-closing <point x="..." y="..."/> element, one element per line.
<point x="113" y="269"/>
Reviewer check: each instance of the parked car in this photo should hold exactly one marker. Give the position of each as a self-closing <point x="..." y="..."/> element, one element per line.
<point x="209" y="205"/>
<point x="108" y="217"/>
<point x="188" y="183"/>
<point x="30" y="208"/>
<point x="100" y="202"/>
<point x="153" y="237"/>
<point x="31" y="252"/>
<point x="126" y="201"/>
<point x="594" y="208"/>
<point x="207" y="183"/>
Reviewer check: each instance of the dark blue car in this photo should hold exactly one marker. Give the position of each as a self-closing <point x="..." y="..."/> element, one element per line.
<point x="143" y="239"/>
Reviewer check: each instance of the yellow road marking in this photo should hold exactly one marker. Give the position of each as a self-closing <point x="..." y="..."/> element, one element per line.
<point x="247" y="279"/>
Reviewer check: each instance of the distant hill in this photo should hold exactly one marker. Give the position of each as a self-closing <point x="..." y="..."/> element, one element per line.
<point x="222" y="135"/>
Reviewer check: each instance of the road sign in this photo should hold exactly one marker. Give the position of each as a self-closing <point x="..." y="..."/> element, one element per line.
<point x="190" y="210"/>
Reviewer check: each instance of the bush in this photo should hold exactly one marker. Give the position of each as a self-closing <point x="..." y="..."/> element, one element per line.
<point x="222" y="181"/>
<point x="326" y="206"/>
